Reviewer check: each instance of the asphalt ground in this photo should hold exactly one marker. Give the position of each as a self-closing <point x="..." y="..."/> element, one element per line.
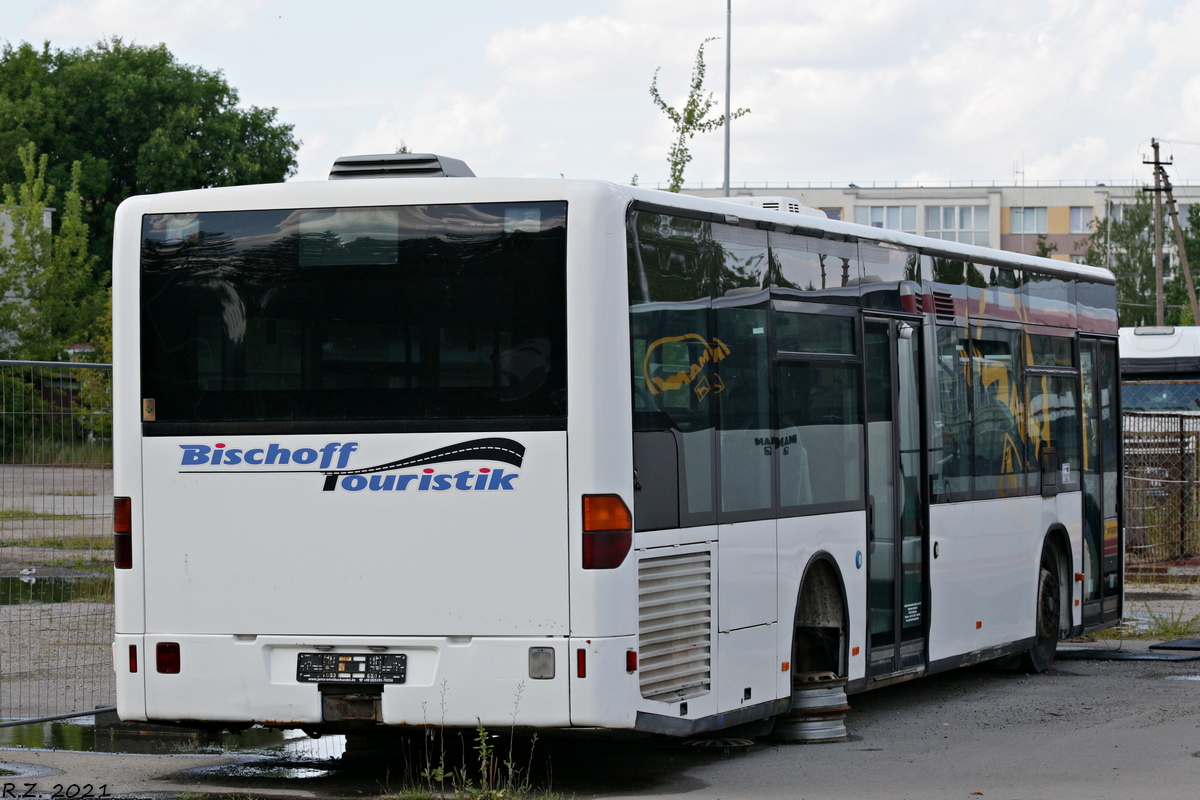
<point x="1086" y="728"/>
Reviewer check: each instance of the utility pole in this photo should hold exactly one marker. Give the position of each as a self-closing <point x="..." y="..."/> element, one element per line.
<point x="728" y="58"/>
<point x="1179" y="246"/>
<point x="1158" y="242"/>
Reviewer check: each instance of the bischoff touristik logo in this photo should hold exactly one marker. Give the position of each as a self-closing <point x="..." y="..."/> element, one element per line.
<point x="333" y="458"/>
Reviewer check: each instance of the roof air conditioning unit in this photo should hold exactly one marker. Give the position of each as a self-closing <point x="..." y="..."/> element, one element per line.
<point x="789" y="204"/>
<point x="399" y="165"/>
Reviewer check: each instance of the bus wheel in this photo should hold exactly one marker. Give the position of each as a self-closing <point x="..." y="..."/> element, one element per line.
<point x="1039" y="657"/>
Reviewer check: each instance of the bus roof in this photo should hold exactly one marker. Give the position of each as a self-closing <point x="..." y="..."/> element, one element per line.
<point x="349" y="192"/>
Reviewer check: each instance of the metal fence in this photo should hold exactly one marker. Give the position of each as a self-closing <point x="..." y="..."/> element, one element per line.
<point x="56" y="578"/>
<point x="1162" y="517"/>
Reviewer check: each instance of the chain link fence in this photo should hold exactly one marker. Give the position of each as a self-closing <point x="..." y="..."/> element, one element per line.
<point x="56" y="573"/>
<point x="1162" y="517"/>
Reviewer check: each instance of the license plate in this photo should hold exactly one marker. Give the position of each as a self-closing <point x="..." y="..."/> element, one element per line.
<point x="351" y="667"/>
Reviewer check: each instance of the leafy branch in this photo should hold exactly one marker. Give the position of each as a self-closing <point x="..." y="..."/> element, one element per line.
<point x="691" y="119"/>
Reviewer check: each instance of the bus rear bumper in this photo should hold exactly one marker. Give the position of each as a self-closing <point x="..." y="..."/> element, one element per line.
<point x="500" y="682"/>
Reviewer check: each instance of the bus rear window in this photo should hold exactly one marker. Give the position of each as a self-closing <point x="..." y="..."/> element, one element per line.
<point x="446" y="317"/>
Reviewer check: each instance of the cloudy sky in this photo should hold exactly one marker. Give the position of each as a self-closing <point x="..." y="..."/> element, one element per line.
<point x="853" y="90"/>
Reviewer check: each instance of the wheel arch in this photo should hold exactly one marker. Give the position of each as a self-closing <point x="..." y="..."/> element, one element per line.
<point x="820" y="624"/>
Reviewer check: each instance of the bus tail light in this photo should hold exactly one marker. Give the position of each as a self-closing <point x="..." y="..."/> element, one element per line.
<point x="631" y="660"/>
<point x="581" y="663"/>
<point x="607" y="531"/>
<point x="133" y="658"/>
<point x="166" y="656"/>
<point x="122" y="533"/>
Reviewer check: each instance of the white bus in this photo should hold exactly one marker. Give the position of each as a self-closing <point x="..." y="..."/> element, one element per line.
<point x="394" y="450"/>
<point x="1160" y="369"/>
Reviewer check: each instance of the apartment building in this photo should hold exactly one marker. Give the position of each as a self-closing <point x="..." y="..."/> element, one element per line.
<point x="1008" y="217"/>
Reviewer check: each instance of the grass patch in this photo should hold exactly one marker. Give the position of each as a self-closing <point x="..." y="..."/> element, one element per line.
<point x="21" y="513"/>
<point x="1153" y="625"/>
<point x="64" y="543"/>
<point x="1171" y="625"/>
<point x="55" y="452"/>
<point x="76" y="562"/>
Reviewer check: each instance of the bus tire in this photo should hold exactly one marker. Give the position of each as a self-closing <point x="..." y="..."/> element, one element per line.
<point x="1040" y="656"/>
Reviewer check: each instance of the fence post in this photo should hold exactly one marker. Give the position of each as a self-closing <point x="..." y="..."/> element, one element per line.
<point x="1185" y="489"/>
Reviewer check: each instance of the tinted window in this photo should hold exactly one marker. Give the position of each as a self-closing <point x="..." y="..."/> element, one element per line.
<point x="808" y="264"/>
<point x="1054" y="422"/>
<point x="745" y="410"/>
<point x="999" y="412"/>
<point x="1050" y="300"/>
<point x="814" y="333"/>
<point x="820" y="434"/>
<point x="950" y="463"/>
<point x="415" y="316"/>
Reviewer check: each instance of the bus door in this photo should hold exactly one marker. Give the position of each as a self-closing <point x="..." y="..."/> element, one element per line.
<point x="1102" y="538"/>
<point x="895" y="503"/>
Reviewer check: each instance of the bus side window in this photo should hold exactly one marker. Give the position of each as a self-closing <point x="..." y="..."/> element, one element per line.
<point x="673" y="363"/>
<point x="999" y="412"/>
<point x="743" y="397"/>
<point x="950" y="461"/>
<point x="820" y="435"/>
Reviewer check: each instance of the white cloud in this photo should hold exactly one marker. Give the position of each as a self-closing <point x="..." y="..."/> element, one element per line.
<point x="178" y="23"/>
<point x="858" y="89"/>
<point x="441" y="120"/>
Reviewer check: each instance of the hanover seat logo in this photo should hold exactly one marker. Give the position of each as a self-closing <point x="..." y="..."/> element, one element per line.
<point x="482" y="479"/>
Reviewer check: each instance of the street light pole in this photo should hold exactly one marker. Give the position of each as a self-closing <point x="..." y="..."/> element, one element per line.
<point x="728" y="53"/>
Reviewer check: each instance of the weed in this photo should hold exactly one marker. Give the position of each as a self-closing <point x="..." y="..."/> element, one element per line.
<point x="1171" y="624"/>
<point x="1152" y="625"/>
<point x="494" y="774"/>
<point x="436" y="773"/>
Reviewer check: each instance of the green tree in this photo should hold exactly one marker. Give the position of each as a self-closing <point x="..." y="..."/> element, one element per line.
<point x="1179" y="306"/>
<point x="1124" y="243"/>
<point x="1044" y="248"/>
<point x="137" y="121"/>
<point x="689" y="120"/>
<point x="48" y="298"/>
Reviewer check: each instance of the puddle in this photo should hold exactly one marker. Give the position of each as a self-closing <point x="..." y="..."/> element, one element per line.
<point x="66" y="735"/>
<point x="104" y="733"/>
<point x="267" y="768"/>
<point x="1183" y="677"/>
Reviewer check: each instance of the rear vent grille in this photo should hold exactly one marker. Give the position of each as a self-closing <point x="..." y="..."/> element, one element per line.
<point x="399" y="165"/>
<point x="675" y="626"/>
<point x="943" y="304"/>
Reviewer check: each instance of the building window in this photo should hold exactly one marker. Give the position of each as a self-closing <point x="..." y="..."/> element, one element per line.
<point x="893" y="218"/>
<point x="1081" y="219"/>
<point x="1079" y="259"/>
<point x="832" y="213"/>
<point x="966" y="224"/>
<point x="1028" y="220"/>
